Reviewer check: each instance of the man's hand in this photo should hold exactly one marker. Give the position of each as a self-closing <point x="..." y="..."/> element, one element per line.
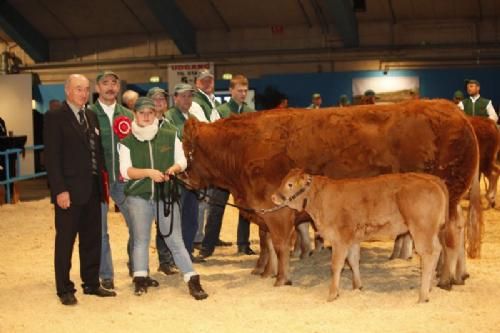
<point x="63" y="200"/>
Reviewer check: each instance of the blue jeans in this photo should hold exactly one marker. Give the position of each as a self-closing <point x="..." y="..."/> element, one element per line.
<point x="143" y="212"/>
<point x="189" y="204"/>
<point x="116" y="191"/>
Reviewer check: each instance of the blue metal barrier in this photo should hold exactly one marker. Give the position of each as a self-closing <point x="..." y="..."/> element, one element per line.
<point x="8" y="180"/>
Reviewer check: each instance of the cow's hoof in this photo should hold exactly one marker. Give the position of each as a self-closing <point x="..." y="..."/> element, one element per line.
<point x="257" y="271"/>
<point x="458" y="282"/>
<point x="288" y="283"/>
<point x="465" y="276"/>
<point x="332" y="298"/>
<point x="423" y="300"/>
<point x="280" y="282"/>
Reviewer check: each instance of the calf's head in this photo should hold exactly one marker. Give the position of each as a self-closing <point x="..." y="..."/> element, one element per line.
<point x="293" y="189"/>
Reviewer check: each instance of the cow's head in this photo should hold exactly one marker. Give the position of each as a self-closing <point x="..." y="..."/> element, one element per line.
<point x="293" y="189"/>
<point x="195" y="174"/>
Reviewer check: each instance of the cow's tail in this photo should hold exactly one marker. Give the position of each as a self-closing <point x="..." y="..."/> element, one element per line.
<point x="475" y="223"/>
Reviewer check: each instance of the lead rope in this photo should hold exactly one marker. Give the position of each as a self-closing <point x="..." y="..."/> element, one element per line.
<point x="173" y="198"/>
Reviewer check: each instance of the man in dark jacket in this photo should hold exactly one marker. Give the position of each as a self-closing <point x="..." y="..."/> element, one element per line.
<point x="74" y="165"/>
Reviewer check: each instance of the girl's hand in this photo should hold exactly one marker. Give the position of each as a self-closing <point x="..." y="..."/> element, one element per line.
<point x="156" y="176"/>
<point x="171" y="171"/>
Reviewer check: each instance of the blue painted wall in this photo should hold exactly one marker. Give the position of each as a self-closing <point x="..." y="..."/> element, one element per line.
<point x="434" y="83"/>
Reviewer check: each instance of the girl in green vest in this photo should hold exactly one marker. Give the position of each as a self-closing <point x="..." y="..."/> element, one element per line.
<point x="149" y="156"/>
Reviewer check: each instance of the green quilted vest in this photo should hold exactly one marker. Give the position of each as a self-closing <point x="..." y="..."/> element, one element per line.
<point x="109" y="139"/>
<point x="155" y="154"/>
<point x="476" y="109"/>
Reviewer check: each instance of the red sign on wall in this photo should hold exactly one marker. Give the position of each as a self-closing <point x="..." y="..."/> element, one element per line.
<point x="277" y="29"/>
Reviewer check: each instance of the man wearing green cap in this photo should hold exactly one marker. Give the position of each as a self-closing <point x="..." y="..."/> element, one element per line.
<point x="458" y="96"/>
<point x="108" y="110"/>
<point x="344" y="101"/>
<point x="204" y="102"/>
<point x="316" y="101"/>
<point x="183" y="99"/>
<point x="159" y="97"/>
<point x="369" y="97"/>
<point x="476" y="105"/>
<point x="238" y="89"/>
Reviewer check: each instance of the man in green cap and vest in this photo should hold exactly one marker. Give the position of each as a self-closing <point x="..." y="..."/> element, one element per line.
<point x="238" y="89"/>
<point x="159" y="97"/>
<point x="458" y="96"/>
<point x="315" y="101"/>
<point x="108" y="111"/>
<point x="177" y="116"/>
<point x="204" y="103"/>
<point x="204" y="108"/>
<point x="476" y="105"/>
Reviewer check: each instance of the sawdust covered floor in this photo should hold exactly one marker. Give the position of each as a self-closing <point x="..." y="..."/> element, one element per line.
<point x="239" y="301"/>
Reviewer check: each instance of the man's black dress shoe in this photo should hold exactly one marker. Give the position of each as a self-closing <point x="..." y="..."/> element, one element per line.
<point x="197" y="260"/>
<point x="223" y="243"/>
<point x="205" y="253"/>
<point x="246" y="249"/>
<point x="68" y="299"/>
<point x="100" y="292"/>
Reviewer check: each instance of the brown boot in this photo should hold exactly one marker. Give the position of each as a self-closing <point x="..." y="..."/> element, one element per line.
<point x="195" y="288"/>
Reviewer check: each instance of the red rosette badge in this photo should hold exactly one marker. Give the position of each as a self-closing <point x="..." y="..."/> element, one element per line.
<point x="122" y="126"/>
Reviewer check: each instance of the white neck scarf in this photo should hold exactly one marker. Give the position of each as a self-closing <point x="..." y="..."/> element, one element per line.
<point x="145" y="133"/>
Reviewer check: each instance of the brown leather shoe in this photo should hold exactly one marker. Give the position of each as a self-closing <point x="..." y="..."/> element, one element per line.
<point x="108" y="284"/>
<point x="195" y="288"/>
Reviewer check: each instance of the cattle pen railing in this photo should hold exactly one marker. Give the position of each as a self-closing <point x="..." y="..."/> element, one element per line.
<point x="7" y="154"/>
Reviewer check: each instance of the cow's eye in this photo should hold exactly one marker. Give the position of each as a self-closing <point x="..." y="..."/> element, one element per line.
<point x="289" y="185"/>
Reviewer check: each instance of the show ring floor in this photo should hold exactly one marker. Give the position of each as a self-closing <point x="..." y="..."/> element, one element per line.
<point x="238" y="301"/>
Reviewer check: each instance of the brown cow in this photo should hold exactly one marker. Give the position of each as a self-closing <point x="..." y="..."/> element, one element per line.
<point x="250" y="154"/>
<point x="349" y="211"/>
<point x="488" y="138"/>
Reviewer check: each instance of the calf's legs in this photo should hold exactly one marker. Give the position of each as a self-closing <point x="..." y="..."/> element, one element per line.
<point x="338" y="258"/>
<point x="353" y="260"/>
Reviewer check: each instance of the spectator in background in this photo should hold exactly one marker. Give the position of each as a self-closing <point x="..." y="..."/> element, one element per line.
<point x="159" y="97"/>
<point x="129" y="98"/>
<point x="344" y="101"/>
<point x="238" y="88"/>
<point x="177" y="116"/>
<point x="204" y="108"/>
<point x="476" y="105"/>
<point x="315" y="101"/>
<point x="3" y="127"/>
<point x="283" y="103"/>
<point x="458" y="96"/>
<point x="369" y="97"/>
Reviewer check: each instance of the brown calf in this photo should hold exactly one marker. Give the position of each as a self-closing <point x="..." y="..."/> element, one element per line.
<point x="347" y="212"/>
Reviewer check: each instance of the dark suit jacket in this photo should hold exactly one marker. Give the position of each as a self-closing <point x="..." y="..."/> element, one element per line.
<point x="68" y="155"/>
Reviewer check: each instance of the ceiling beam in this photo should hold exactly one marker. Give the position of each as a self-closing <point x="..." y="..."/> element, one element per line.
<point x="175" y="24"/>
<point x="345" y="21"/>
<point x="23" y="33"/>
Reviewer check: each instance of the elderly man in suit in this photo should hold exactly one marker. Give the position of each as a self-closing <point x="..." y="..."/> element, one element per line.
<point x="74" y="164"/>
